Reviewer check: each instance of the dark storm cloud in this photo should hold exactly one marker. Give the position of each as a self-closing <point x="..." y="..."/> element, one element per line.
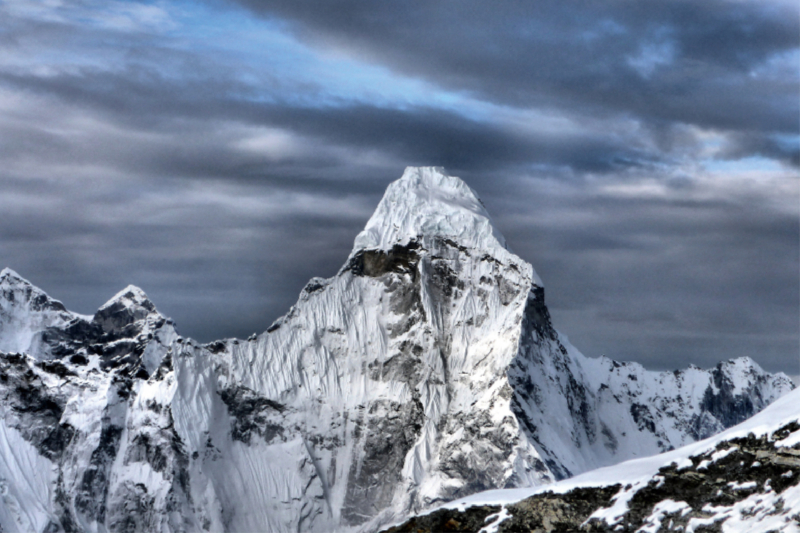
<point x="415" y="135"/>
<point x="748" y="144"/>
<point x="699" y="63"/>
<point x="221" y="186"/>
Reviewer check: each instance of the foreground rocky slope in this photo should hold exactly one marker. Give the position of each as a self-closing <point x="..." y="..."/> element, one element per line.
<point x="746" y="479"/>
<point x="425" y="370"/>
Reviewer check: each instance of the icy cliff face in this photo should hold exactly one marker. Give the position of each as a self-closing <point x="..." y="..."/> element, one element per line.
<point x="425" y="370"/>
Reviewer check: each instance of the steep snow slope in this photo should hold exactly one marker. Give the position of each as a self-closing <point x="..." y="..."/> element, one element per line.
<point x="745" y="479"/>
<point x="425" y="370"/>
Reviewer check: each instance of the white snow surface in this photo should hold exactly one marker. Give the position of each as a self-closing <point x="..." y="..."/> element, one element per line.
<point x="792" y="440"/>
<point x="428" y="201"/>
<point x="433" y="338"/>
<point x="26" y="481"/>
<point x="663" y="508"/>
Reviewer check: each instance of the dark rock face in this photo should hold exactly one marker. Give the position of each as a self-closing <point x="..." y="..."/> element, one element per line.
<point x="77" y="336"/>
<point x="376" y="263"/>
<point x="157" y="445"/>
<point x="115" y="319"/>
<point x="540" y="347"/>
<point x="643" y="418"/>
<point x="448" y="520"/>
<point x="537" y="318"/>
<point x="119" y="332"/>
<point x="37" y="410"/>
<point x="444" y="282"/>
<point x="727" y="407"/>
<point x="251" y="414"/>
<point x="705" y="425"/>
<point x="92" y="495"/>
<point x="142" y="449"/>
<point x="390" y="430"/>
<point x="480" y="470"/>
<point x="137" y="510"/>
<point x="56" y="367"/>
<point x="405" y="366"/>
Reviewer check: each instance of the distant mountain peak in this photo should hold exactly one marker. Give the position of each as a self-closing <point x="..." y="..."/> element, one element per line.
<point x="8" y="274"/>
<point x="129" y="305"/>
<point x="26" y="311"/>
<point x="130" y="297"/>
<point x="10" y="279"/>
<point x="11" y="283"/>
<point x="428" y="202"/>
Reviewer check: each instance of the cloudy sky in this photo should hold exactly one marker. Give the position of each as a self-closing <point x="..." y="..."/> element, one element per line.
<point x="642" y="155"/>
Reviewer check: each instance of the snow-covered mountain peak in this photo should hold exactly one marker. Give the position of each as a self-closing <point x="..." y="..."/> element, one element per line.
<point x="25" y="312"/>
<point x="130" y="297"/>
<point x="129" y="305"/>
<point x="426" y="201"/>
<point x="16" y="290"/>
<point x="9" y="276"/>
<point x="426" y="369"/>
<point x="10" y="280"/>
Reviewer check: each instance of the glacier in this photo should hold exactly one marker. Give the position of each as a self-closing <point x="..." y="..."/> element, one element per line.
<point x="425" y="370"/>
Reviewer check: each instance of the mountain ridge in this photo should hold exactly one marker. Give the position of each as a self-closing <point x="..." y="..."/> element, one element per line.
<point x="426" y="369"/>
<point x="745" y="479"/>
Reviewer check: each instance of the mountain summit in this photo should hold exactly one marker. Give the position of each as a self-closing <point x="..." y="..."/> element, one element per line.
<point x="427" y="202"/>
<point x="427" y="369"/>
